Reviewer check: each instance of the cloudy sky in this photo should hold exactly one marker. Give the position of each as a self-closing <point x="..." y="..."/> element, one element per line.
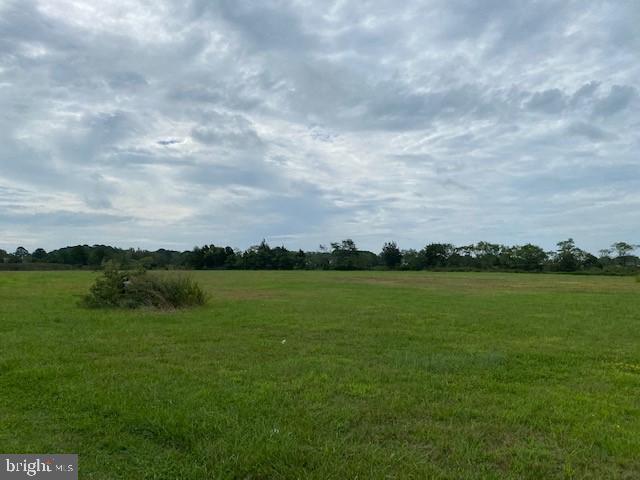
<point x="156" y="123"/>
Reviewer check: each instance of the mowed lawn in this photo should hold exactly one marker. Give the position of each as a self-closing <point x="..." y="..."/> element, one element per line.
<point x="329" y="375"/>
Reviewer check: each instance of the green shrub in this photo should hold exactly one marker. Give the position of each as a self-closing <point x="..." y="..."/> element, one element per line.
<point x="117" y="288"/>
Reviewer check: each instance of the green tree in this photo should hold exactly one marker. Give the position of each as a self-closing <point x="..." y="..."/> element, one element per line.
<point x="487" y="254"/>
<point x="605" y="253"/>
<point x="300" y="260"/>
<point x="589" y="261"/>
<point x="21" y="253"/>
<point x="412" y="260"/>
<point x="391" y="255"/>
<point x="344" y="255"/>
<point x="263" y="257"/>
<point x="39" y="255"/>
<point x="529" y="257"/>
<point x="623" y="252"/>
<point x="78" y="255"/>
<point x="623" y="248"/>
<point x="568" y="256"/>
<point x="436" y="254"/>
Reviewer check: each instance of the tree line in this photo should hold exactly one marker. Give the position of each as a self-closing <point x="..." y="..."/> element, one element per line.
<point x="344" y="255"/>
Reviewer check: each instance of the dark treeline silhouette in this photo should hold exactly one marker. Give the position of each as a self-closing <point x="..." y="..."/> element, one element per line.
<point x="344" y="255"/>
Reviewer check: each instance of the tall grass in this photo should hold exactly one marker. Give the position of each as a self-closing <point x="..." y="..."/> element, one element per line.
<point x="123" y="289"/>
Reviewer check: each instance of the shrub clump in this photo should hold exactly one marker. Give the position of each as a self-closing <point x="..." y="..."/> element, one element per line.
<point x="124" y="289"/>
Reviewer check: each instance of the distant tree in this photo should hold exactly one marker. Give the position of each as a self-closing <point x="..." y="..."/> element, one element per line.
<point x="147" y="262"/>
<point x="282" y="259"/>
<point x="365" y="260"/>
<point x="196" y="258"/>
<point x="412" y="260"/>
<point x="21" y="254"/>
<point x="214" y="257"/>
<point x="318" y="260"/>
<point x="300" y="261"/>
<point x="605" y="252"/>
<point x="567" y="256"/>
<point x="529" y="257"/>
<point x="347" y="245"/>
<point x="263" y="257"/>
<point x="233" y="257"/>
<point x="623" y="248"/>
<point x="487" y="254"/>
<point x="100" y="254"/>
<point x="589" y="261"/>
<point x="507" y="257"/>
<point x="39" y="254"/>
<point x="604" y="257"/>
<point x="462" y="257"/>
<point x="465" y="250"/>
<point x="436" y="254"/>
<point x="344" y="254"/>
<point x="623" y="252"/>
<point x="78" y="255"/>
<point x="391" y="255"/>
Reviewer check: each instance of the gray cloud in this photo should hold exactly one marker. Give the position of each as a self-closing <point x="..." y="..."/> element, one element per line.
<point x="167" y="142"/>
<point x="550" y="101"/>
<point x="221" y="121"/>
<point x="61" y="218"/>
<point x="225" y="130"/>
<point x="584" y="93"/>
<point x="588" y="131"/>
<point x="619" y="98"/>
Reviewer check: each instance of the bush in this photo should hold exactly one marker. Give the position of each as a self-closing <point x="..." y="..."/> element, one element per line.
<point x="118" y="288"/>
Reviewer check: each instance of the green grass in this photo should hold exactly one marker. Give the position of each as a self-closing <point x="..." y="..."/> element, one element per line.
<point x="382" y="375"/>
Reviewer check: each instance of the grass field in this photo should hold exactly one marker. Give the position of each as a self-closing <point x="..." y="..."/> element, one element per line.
<point x="329" y="375"/>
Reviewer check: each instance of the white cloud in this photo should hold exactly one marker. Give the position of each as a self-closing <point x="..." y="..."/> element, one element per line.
<point x="166" y="123"/>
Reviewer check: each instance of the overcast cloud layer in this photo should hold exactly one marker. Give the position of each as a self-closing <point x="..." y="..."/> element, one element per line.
<point x="170" y="123"/>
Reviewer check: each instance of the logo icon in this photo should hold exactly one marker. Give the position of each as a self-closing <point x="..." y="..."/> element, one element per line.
<point x="39" y="466"/>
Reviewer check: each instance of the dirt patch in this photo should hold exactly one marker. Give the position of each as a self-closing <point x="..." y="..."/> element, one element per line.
<point x="247" y="294"/>
<point x="499" y="282"/>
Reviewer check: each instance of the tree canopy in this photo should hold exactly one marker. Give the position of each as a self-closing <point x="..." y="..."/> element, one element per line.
<point x="343" y="255"/>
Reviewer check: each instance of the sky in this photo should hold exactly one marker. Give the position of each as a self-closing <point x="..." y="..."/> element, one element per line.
<point x="173" y="123"/>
